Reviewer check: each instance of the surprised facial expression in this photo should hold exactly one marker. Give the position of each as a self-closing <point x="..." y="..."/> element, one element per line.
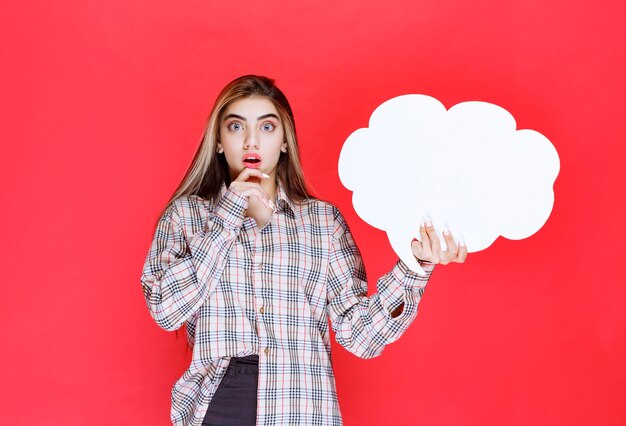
<point x="251" y="135"/>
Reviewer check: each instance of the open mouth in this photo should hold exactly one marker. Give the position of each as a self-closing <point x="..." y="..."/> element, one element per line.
<point x="252" y="161"/>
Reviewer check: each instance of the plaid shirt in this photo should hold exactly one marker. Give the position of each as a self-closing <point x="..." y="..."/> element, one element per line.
<point x="243" y="291"/>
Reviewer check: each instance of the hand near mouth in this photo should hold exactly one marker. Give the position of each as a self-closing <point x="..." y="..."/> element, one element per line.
<point x="254" y="179"/>
<point x="248" y="184"/>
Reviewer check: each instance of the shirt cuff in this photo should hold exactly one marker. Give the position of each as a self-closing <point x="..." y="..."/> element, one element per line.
<point x="412" y="279"/>
<point x="231" y="208"/>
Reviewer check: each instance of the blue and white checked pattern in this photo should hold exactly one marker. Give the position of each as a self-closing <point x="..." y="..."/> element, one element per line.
<point x="242" y="291"/>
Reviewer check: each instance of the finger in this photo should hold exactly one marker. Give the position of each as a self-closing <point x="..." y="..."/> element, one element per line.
<point x="250" y="189"/>
<point x="421" y="249"/>
<point x="435" y="245"/>
<point x="247" y="186"/>
<point x="258" y="193"/>
<point x="462" y="255"/>
<point x="451" y="247"/>
<point x="248" y="173"/>
<point x="264" y="198"/>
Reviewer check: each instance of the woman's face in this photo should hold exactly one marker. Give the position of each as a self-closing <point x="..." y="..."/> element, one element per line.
<point x="251" y="135"/>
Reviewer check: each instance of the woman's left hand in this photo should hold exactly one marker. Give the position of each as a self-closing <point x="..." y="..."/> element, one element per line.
<point x="429" y="248"/>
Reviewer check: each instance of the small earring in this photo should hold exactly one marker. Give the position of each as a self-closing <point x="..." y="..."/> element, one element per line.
<point x="283" y="150"/>
<point x="220" y="150"/>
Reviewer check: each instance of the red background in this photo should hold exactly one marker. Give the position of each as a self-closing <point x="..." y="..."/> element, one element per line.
<point x="103" y="104"/>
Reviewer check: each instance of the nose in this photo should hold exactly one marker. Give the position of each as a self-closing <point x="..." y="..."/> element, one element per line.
<point x="252" y="140"/>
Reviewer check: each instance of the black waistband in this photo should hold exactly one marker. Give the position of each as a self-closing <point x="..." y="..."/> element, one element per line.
<point x="250" y="359"/>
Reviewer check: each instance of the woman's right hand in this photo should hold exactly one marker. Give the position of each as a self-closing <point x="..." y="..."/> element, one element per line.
<point x="248" y="184"/>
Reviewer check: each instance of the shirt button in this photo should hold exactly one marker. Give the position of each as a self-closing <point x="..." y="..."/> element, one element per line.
<point x="267" y="351"/>
<point x="262" y="310"/>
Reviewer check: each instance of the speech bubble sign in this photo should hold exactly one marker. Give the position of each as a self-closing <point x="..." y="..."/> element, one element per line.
<point x="467" y="168"/>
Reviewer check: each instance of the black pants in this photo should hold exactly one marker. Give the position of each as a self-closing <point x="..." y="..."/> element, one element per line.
<point x="234" y="402"/>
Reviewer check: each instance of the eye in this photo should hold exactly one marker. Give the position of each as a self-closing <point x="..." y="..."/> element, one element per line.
<point x="235" y="126"/>
<point x="268" y="127"/>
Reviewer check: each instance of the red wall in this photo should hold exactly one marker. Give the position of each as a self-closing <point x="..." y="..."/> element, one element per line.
<point x="102" y="107"/>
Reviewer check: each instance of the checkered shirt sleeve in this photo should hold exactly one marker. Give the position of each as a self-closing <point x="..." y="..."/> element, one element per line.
<point x="364" y="325"/>
<point x="180" y="270"/>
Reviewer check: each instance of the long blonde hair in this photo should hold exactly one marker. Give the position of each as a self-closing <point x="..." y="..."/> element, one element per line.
<point x="209" y="170"/>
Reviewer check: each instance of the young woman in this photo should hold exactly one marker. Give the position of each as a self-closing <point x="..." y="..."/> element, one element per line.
<point x="254" y="266"/>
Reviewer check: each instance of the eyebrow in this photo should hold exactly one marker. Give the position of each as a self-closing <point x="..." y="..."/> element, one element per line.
<point x="258" y="118"/>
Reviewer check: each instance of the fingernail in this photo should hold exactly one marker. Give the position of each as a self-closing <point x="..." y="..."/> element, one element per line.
<point x="271" y="204"/>
<point x="462" y="242"/>
<point x="428" y="222"/>
<point x="446" y="231"/>
<point x="266" y="176"/>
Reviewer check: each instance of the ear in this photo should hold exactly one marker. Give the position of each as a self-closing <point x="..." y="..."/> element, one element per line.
<point x="220" y="148"/>
<point x="283" y="147"/>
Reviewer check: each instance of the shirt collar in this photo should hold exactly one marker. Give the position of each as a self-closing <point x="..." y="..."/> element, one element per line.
<point x="282" y="200"/>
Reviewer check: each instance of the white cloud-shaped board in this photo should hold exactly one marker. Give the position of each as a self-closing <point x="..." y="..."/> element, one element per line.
<point x="467" y="168"/>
